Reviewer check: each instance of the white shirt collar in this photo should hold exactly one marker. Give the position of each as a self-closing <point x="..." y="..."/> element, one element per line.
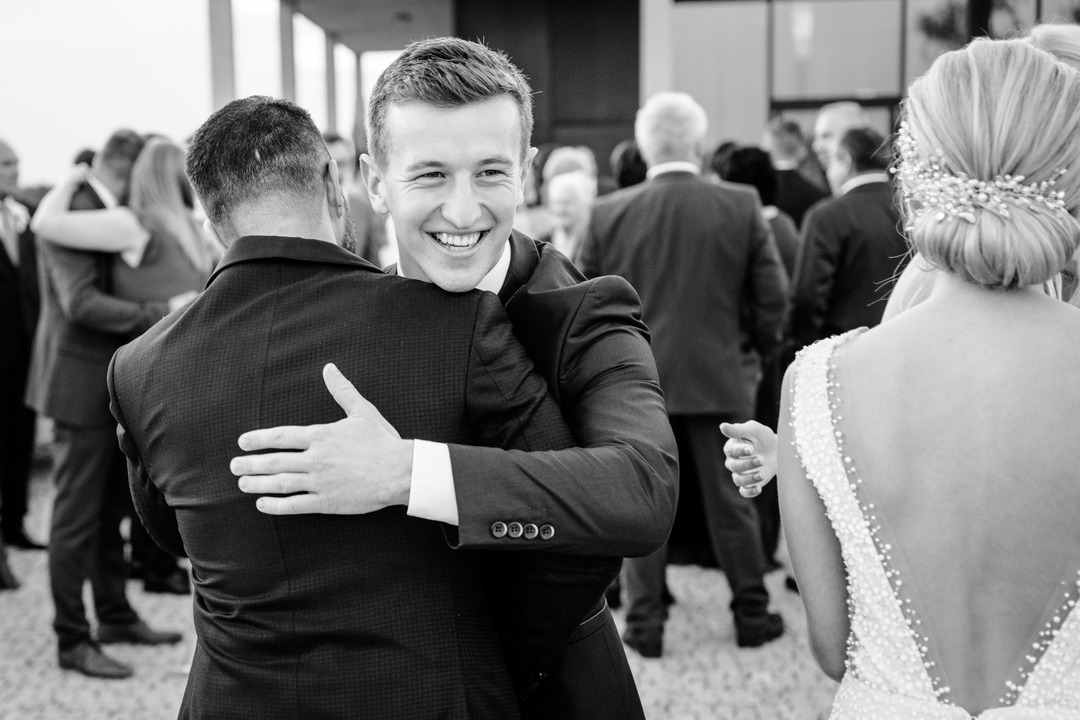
<point x="493" y="281"/>
<point x="103" y="192"/>
<point x="785" y="165"/>
<point x="864" y="179"/>
<point x="673" y="166"/>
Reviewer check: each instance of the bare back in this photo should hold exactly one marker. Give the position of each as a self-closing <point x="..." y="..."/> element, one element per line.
<point x="961" y="420"/>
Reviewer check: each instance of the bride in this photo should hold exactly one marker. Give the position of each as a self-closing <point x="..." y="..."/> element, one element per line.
<point x="929" y="479"/>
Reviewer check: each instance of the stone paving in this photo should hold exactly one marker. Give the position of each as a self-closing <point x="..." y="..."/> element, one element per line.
<point x="702" y="675"/>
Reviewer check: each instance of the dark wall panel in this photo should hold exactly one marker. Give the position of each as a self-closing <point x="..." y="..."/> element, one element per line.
<point x="581" y="58"/>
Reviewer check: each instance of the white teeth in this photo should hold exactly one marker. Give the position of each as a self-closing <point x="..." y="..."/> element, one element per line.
<point x="458" y="241"/>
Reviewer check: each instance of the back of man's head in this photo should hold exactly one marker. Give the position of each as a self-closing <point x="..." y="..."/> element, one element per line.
<point x="446" y="72"/>
<point x="118" y="156"/>
<point x="670" y="126"/>
<point x="750" y="166"/>
<point x="867" y="149"/>
<point x="785" y="140"/>
<point x="257" y="149"/>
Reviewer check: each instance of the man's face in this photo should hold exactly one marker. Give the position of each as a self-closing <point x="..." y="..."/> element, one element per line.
<point x="9" y="170"/>
<point x="452" y="181"/>
<point x="827" y="131"/>
<point x="838" y="169"/>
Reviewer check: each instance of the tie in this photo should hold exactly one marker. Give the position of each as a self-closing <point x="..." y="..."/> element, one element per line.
<point x="8" y="234"/>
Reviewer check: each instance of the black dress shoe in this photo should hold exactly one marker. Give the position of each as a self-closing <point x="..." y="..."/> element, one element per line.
<point x="647" y="645"/>
<point x="18" y="539"/>
<point x="87" y="658"/>
<point x="756" y="631"/>
<point x="175" y="583"/>
<point x="136" y="633"/>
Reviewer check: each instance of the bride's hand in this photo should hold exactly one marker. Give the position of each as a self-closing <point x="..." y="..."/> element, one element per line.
<point x="750" y="455"/>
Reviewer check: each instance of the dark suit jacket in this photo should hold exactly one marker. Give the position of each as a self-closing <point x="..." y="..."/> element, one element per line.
<point x="852" y="251"/>
<point x="709" y="274"/>
<point x="613" y="495"/>
<point x="19" y="305"/>
<point x="81" y="326"/>
<point x="324" y="616"/>
<point x="795" y="194"/>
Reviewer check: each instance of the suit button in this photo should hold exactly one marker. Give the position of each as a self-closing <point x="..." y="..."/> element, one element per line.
<point x="498" y="529"/>
<point x="547" y="532"/>
<point x="531" y="531"/>
<point x="514" y="529"/>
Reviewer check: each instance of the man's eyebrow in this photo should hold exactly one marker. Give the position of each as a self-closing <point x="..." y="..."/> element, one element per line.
<point x="423" y="165"/>
<point x="497" y="160"/>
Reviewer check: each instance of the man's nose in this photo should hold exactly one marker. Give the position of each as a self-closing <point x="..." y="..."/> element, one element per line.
<point x="462" y="208"/>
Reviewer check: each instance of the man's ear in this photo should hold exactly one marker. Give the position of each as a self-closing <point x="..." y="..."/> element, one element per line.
<point x="526" y="168"/>
<point x="335" y="196"/>
<point x="374" y="184"/>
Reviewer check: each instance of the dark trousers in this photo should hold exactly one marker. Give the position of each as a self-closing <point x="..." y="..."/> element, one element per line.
<point x="85" y="543"/>
<point x="732" y="522"/>
<point x="16" y="448"/>
<point x="767" y="412"/>
<point x="590" y="679"/>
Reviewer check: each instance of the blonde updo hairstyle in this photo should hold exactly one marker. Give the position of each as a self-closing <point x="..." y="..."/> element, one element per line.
<point x="997" y="108"/>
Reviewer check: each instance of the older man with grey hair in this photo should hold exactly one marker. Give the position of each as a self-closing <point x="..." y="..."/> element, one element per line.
<point x="711" y="287"/>
<point x="834" y="120"/>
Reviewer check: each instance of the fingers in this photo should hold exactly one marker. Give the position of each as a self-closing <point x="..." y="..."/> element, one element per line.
<point x="284" y="437"/>
<point x="286" y="483"/>
<point x="750" y="492"/>
<point x="344" y="392"/>
<point x="747" y="480"/>
<point x="270" y="464"/>
<point x="292" y="505"/>
<point x="740" y="466"/>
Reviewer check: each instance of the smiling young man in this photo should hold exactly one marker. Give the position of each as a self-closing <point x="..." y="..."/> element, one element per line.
<point x="450" y="123"/>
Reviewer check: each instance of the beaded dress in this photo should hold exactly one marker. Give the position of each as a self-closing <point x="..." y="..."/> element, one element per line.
<point x="888" y="675"/>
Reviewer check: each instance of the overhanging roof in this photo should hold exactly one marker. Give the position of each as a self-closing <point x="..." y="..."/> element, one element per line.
<point x="363" y="25"/>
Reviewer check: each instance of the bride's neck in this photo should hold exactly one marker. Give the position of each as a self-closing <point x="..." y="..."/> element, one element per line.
<point x="949" y="288"/>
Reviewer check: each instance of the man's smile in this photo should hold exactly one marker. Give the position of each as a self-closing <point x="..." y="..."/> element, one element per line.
<point x="458" y="241"/>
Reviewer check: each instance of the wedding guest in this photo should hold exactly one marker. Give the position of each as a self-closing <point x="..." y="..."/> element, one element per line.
<point x="570" y="197"/>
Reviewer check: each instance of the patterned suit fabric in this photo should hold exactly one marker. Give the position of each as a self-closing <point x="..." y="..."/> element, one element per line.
<point x="322" y="615"/>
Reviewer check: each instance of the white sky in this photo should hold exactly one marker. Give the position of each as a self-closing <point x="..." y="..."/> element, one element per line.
<point x="75" y="70"/>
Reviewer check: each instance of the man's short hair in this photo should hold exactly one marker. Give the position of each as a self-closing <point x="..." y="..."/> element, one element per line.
<point x="253" y="147"/>
<point x="786" y="138"/>
<point x="120" y="152"/>
<point x="867" y="149"/>
<point x="670" y="126"/>
<point x="446" y="72"/>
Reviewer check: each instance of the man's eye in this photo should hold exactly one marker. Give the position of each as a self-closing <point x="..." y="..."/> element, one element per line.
<point x="492" y="173"/>
<point x="433" y="175"/>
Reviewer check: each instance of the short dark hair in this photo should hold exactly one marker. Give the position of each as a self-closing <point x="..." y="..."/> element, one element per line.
<point x="627" y="165"/>
<point x="750" y="166"/>
<point x="251" y="147"/>
<point x="867" y="149"/>
<point x="446" y="72"/>
<point x="121" y="150"/>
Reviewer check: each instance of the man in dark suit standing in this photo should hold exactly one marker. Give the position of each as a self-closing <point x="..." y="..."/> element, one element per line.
<point x="18" y="317"/>
<point x="709" y="274"/>
<point x="852" y="246"/>
<point x="312" y="616"/>
<point x="81" y="326"/>
<point x="450" y="125"/>
<point x="787" y="148"/>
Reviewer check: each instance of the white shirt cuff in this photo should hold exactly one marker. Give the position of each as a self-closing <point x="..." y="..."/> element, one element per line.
<point x="431" y="495"/>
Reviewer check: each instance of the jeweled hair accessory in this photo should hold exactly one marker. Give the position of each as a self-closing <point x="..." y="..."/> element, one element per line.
<point x="927" y="185"/>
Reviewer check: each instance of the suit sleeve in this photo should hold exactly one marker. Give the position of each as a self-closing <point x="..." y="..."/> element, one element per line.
<point x="613" y="495"/>
<point x="75" y="276"/>
<point x="157" y="517"/>
<point x="814" y="282"/>
<point x="767" y="288"/>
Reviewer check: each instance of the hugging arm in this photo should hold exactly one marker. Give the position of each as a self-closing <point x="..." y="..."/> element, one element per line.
<point x="114" y="229"/>
<point x="155" y="514"/>
<point x="815" y="550"/>
<point x="614" y="494"/>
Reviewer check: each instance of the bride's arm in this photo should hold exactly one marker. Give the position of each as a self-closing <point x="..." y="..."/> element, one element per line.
<point x="110" y="230"/>
<point x="814" y="548"/>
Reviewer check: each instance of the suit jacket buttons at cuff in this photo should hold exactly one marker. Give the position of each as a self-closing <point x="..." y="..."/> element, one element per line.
<point x="514" y="530"/>
<point x="531" y="531"/>
<point x="547" y="532"/>
<point x="498" y="529"/>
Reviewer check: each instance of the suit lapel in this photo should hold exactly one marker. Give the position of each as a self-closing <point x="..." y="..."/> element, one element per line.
<point x="524" y="257"/>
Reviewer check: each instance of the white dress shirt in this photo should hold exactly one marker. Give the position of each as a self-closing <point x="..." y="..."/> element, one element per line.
<point x="133" y="256"/>
<point x="432" y="494"/>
